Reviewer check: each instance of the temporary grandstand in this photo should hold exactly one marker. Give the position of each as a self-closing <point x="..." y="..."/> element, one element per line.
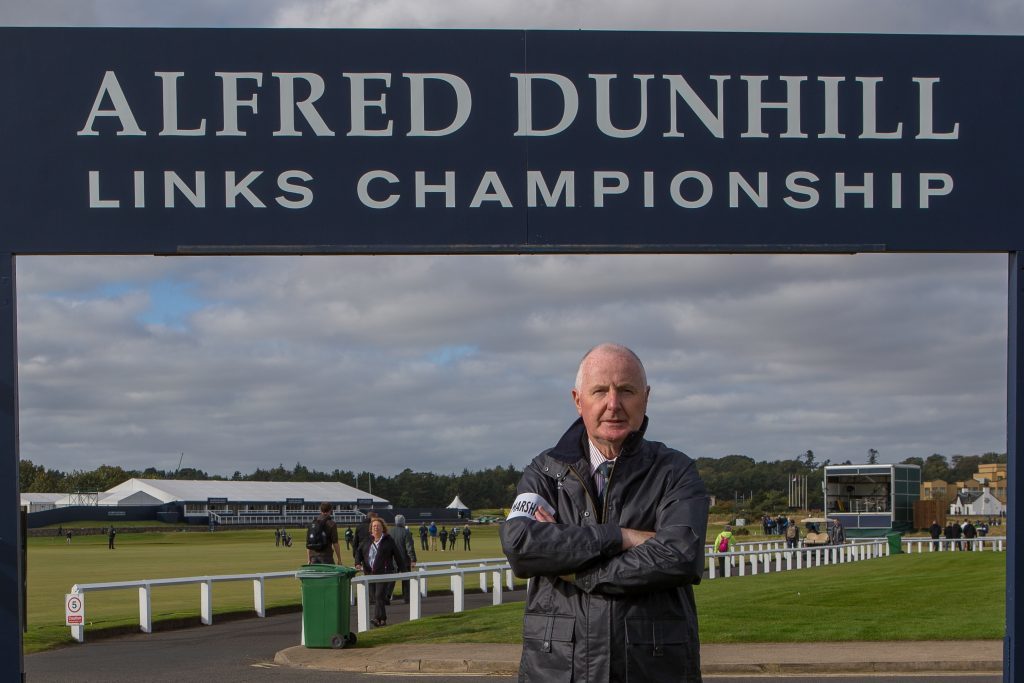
<point x="246" y="502"/>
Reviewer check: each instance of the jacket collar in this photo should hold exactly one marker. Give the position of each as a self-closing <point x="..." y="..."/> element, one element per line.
<point x="572" y="445"/>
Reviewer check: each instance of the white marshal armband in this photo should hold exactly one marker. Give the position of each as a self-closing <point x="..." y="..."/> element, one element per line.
<point x="526" y="504"/>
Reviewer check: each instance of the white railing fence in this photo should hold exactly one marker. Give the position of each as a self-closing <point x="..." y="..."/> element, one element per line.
<point x="418" y="586"/>
<point x="760" y="554"/>
<point x="993" y="543"/>
<point x="205" y="595"/>
<point x="456" y="570"/>
<point x="751" y="556"/>
<point x="736" y="563"/>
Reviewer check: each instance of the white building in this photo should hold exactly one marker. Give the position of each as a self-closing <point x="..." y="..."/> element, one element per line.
<point x="246" y="502"/>
<point x="976" y="504"/>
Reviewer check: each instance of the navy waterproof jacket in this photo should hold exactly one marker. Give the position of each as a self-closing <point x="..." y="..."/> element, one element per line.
<point x="594" y="612"/>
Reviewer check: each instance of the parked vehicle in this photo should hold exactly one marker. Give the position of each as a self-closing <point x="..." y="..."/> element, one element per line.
<point x="815" y="531"/>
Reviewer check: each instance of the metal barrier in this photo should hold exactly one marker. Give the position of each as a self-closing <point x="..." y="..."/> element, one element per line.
<point x="455" y="569"/>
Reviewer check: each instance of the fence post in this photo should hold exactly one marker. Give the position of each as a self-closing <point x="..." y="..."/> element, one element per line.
<point x="712" y="565"/>
<point x="458" y="584"/>
<point x="483" y="579"/>
<point x="145" y="610"/>
<point x="206" y="602"/>
<point x="496" y="598"/>
<point x="257" y="597"/>
<point x="423" y="583"/>
<point x="362" y="607"/>
<point x="78" y="632"/>
<point x="415" y="602"/>
<point x="509" y="580"/>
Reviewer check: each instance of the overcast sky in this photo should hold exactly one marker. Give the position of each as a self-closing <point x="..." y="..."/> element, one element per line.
<point x="445" y="363"/>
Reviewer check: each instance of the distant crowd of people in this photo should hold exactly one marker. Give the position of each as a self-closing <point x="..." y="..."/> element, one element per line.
<point x="962" y="533"/>
<point x="775" y="526"/>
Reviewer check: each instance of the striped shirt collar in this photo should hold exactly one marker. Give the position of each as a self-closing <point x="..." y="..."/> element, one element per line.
<point x="596" y="457"/>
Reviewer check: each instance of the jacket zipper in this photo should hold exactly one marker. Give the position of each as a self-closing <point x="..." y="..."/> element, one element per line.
<point x="585" y="489"/>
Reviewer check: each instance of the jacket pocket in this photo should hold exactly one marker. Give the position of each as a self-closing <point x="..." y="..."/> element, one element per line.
<point x="661" y="650"/>
<point x="547" y="648"/>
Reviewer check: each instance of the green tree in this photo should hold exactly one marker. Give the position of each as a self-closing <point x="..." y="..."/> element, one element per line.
<point x="935" y="467"/>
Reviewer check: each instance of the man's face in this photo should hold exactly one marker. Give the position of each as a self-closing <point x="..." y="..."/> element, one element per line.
<point x="611" y="399"/>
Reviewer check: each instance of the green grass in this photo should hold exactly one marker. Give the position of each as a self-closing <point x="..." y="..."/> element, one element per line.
<point x="905" y="597"/>
<point x="934" y="596"/>
<point x="930" y="596"/>
<point x="54" y="566"/>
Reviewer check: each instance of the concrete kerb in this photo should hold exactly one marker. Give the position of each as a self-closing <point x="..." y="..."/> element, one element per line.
<point x="441" y="658"/>
<point x="724" y="658"/>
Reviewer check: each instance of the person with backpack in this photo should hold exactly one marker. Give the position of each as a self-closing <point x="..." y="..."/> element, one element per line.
<point x="792" y="536"/>
<point x="322" y="545"/>
<point x="723" y="544"/>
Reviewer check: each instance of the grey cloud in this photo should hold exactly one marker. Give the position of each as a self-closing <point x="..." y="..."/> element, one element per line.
<point x="919" y="16"/>
<point x="334" y="360"/>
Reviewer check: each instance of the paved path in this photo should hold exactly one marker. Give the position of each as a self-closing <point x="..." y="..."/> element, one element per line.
<point x="983" y="656"/>
<point x="267" y="649"/>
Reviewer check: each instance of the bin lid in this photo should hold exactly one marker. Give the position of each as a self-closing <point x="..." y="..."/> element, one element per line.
<point x="323" y="571"/>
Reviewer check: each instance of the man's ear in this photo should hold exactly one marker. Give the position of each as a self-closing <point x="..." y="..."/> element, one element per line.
<point x="576" y="400"/>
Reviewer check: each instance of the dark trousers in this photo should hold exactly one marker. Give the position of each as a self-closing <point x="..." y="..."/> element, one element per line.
<point x="380" y="594"/>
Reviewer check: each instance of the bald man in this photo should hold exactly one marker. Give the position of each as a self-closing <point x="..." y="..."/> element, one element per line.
<point x="611" y="529"/>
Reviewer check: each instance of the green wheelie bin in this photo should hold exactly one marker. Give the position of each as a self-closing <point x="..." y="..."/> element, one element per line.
<point x="895" y="542"/>
<point x="325" y="609"/>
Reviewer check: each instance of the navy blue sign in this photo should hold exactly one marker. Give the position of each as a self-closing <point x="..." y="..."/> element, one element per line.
<point x="337" y="141"/>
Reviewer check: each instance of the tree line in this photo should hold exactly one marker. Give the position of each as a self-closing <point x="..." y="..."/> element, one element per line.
<point x="489" y="488"/>
<point x="738" y="482"/>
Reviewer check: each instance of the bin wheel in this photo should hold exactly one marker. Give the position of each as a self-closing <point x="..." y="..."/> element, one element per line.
<point x="350" y="639"/>
<point x="338" y="641"/>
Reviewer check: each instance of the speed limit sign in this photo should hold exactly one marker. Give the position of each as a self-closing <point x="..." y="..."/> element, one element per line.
<point x="74" y="609"/>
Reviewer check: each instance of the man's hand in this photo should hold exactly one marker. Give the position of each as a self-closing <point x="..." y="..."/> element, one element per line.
<point x="542" y="515"/>
<point x="634" y="537"/>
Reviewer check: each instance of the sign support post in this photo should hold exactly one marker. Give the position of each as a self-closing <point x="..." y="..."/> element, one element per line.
<point x="11" y="597"/>
<point x="1014" y="430"/>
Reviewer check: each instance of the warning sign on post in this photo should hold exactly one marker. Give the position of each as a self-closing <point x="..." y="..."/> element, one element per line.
<point x="74" y="609"/>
